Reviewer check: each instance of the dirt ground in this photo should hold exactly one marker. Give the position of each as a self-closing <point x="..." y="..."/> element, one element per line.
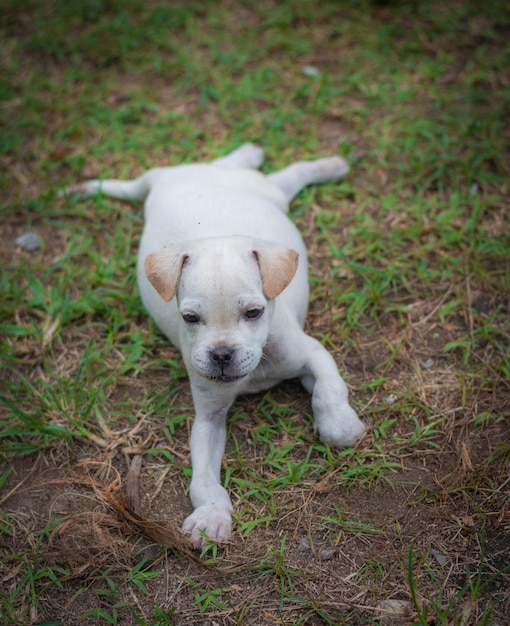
<point x="441" y="501"/>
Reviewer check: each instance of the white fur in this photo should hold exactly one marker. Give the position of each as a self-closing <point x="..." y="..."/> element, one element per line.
<point x="218" y="249"/>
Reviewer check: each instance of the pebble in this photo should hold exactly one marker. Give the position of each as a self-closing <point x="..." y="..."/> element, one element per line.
<point x="29" y="241"/>
<point x="390" y="399"/>
<point x="442" y="560"/>
<point x="310" y="70"/>
<point x="323" y="552"/>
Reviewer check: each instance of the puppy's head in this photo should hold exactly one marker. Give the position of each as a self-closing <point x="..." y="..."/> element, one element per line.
<point x="225" y="289"/>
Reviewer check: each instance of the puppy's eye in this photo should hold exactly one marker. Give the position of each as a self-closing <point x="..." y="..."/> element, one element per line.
<point x="190" y="318"/>
<point x="253" y="314"/>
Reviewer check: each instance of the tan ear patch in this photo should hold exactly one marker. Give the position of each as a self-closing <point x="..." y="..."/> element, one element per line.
<point x="163" y="270"/>
<point x="277" y="268"/>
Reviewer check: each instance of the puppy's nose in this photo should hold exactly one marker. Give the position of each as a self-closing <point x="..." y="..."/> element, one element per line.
<point x="222" y="356"/>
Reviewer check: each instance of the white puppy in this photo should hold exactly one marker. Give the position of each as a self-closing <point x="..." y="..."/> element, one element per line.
<point x="223" y="273"/>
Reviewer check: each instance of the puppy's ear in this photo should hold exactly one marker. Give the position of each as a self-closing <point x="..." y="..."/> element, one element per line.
<point x="163" y="270"/>
<point x="277" y="267"/>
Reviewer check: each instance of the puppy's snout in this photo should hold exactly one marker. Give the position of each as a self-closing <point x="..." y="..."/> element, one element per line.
<point x="222" y="356"/>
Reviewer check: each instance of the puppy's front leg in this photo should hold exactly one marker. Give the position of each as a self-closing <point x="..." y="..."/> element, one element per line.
<point x="334" y="418"/>
<point x="213" y="508"/>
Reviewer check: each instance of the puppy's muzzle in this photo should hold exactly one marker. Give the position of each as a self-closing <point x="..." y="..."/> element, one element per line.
<point x="222" y="357"/>
<point x="224" y="364"/>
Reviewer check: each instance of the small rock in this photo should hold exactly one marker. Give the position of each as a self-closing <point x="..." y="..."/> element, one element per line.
<point x="321" y="550"/>
<point x="390" y="399"/>
<point x="304" y="545"/>
<point x="394" y="612"/>
<point x="325" y="553"/>
<point x="442" y="560"/>
<point x="29" y="241"/>
<point x="310" y="70"/>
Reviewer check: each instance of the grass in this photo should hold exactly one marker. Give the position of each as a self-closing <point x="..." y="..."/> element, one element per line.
<point x="410" y="271"/>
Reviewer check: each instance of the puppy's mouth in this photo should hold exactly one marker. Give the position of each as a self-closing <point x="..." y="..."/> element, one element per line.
<point x="224" y="378"/>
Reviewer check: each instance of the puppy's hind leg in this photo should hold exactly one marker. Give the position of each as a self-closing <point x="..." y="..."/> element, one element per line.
<point x="247" y="156"/>
<point x="135" y="189"/>
<point x="298" y="175"/>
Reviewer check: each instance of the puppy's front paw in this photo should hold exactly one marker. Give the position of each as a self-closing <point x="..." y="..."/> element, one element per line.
<point x="340" y="429"/>
<point x="209" y="520"/>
